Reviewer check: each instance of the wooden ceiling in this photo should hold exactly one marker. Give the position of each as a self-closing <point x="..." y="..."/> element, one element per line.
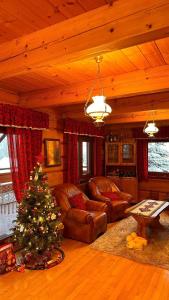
<point x="20" y="17"/>
<point x="140" y="57"/>
<point x="47" y="50"/>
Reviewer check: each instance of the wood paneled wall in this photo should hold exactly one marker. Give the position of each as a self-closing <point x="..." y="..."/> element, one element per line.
<point x="55" y="131"/>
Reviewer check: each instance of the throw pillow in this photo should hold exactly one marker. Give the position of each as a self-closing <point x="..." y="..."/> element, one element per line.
<point x="77" y="201"/>
<point x="111" y="195"/>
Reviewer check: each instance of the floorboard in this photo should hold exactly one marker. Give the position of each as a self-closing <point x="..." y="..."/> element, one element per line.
<point x="86" y="273"/>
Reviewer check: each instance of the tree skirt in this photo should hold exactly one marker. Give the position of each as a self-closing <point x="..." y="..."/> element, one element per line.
<point x="155" y="253"/>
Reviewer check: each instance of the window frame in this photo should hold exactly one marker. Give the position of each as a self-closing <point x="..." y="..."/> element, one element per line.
<point x="157" y="175"/>
<point x="85" y="177"/>
<point x="2" y="131"/>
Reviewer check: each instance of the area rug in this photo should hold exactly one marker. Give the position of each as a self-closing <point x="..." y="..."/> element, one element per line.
<point x="155" y="253"/>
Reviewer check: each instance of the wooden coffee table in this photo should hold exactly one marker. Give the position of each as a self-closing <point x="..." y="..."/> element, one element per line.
<point x="147" y="215"/>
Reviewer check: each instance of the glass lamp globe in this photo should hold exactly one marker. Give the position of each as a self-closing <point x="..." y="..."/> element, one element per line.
<point x="151" y="129"/>
<point x="98" y="109"/>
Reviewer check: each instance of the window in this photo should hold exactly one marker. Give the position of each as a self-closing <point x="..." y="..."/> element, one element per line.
<point x="8" y="205"/>
<point x="8" y="209"/>
<point x="85" y="158"/>
<point x="4" y="155"/>
<point x="158" y="158"/>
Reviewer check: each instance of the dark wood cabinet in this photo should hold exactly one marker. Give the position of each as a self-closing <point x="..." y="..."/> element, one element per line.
<point x="120" y="153"/>
<point x="120" y="160"/>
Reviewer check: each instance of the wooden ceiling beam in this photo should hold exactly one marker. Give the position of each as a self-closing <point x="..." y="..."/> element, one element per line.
<point x="104" y="29"/>
<point x="8" y="97"/>
<point x="134" y="83"/>
<point x="141" y="116"/>
<point x="129" y="109"/>
<point x="122" y="105"/>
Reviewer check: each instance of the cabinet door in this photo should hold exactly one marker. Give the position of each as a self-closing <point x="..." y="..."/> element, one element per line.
<point x="128" y="153"/>
<point x="112" y="153"/>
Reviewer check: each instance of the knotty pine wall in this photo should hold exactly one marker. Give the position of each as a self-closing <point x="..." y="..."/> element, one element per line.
<point x="55" y="131"/>
<point x="151" y="188"/>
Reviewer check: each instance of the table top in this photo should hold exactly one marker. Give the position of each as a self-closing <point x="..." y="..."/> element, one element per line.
<point x="148" y="208"/>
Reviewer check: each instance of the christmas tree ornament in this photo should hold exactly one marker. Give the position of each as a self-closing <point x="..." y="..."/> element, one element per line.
<point x="53" y="216"/>
<point x="21" y="228"/>
<point x="20" y="268"/>
<point x="41" y="219"/>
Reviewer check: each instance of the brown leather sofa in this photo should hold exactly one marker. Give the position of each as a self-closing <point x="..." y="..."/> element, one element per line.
<point x="79" y="224"/>
<point x="116" y="208"/>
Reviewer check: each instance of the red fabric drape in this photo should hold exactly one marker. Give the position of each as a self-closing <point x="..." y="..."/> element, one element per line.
<point x="142" y="159"/>
<point x="11" y="115"/>
<point x="98" y="148"/>
<point x="72" y="130"/>
<point x="24" y="146"/>
<point x="82" y="128"/>
<point x="71" y="158"/>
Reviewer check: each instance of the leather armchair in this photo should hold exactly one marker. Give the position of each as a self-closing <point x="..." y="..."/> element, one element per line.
<point x="82" y="225"/>
<point x="116" y="208"/>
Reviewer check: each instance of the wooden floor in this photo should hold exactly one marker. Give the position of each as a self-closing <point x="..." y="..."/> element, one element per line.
<point x="88" y="274"/>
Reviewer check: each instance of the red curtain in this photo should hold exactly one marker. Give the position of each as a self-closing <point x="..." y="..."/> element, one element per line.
<point x="82" y="128"/>
<point x="24" y="146"/>
<point x="142" y="159"/>
<point x="71" y="158"/>
<point x="72" y="130"/>
<point x="98" y="148"/>
<point x="11" y="115"/>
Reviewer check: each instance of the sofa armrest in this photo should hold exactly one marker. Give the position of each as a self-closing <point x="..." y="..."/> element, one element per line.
<point x="93" y="205"/>
<point x="79" y="216"/>
<point x="104" y="199"/>
<point x="125" y="196"/>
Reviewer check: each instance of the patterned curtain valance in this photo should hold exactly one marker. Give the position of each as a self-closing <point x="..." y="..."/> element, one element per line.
<point x="82" y="128"/>
<point x="15" y="116"/>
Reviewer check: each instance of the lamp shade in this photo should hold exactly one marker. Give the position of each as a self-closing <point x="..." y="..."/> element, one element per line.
<point x="98" y="109"/>
<point x="151" y="129"/>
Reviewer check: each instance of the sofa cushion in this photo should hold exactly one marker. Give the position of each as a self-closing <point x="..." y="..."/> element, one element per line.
<point x="77" y="201"/>
<point x="111" y="195"/>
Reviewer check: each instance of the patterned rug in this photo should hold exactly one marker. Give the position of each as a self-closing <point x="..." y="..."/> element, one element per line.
<point x="155" y="253"/>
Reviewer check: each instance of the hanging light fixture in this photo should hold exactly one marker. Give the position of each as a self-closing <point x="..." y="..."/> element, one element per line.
<point x="150" y="128"/>
<point x="98" y="109"/>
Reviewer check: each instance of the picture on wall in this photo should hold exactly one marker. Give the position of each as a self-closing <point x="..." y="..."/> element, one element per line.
<point x="52" y="152"/>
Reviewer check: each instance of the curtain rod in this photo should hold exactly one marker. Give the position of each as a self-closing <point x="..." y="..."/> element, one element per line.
<point x="94" y="135"/>
<point x="24" y="127"/>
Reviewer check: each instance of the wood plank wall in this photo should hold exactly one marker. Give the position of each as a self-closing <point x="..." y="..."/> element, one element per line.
<point x="55" y="131"/>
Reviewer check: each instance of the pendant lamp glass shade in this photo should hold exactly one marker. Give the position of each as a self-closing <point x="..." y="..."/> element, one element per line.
<point x="150" y="129"/>
<point x="98" y="109"/>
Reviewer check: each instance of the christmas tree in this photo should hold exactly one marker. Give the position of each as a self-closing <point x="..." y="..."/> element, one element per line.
<point x="38" y="228"/>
